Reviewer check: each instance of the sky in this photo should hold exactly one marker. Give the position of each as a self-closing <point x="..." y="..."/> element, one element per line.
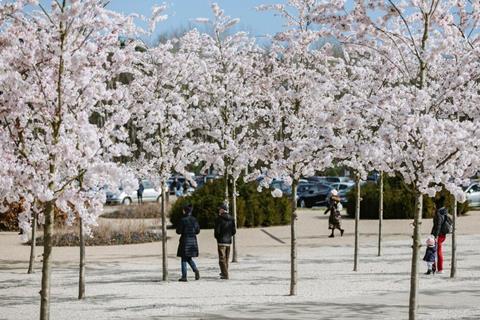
<point x="182" y="12"/>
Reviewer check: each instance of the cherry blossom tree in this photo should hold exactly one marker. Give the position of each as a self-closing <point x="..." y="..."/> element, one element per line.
<point x="298" y="136"/>
<point x="226" y="99"/>
<point x="428" y="100"/>
<point x="56" y="70"/>
<point x="161" y="111"/>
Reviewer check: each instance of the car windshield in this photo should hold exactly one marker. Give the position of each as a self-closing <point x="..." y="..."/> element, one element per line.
<point x="147" y="184"/>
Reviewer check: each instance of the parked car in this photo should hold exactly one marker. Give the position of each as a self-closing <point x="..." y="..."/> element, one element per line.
<point x="279" y="184"/>
<point x="343" y="188"/>
<point x="373" y="176"/>
<point x="315" y="194"/>
<point x="473" y="194"/>
<point x="329" y="180"/>
<point x="150" y="194"/>
<point x="287" y="189"/>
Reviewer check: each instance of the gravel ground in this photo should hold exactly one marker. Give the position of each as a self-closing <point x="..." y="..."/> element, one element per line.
<point x="123" y="282"/>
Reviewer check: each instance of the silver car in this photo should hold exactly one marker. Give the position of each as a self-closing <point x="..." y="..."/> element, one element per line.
<point x="473" y="194"/>
<point x="150" y="194"/>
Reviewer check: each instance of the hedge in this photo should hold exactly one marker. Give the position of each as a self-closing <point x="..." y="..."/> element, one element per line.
<point x="398" y="201"/>
<point x="9" y="219"/>
<point x="253" y="208"/>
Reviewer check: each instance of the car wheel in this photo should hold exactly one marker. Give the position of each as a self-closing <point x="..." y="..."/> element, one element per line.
<point x="127" y="201"/>
<point x="303" y="204"/>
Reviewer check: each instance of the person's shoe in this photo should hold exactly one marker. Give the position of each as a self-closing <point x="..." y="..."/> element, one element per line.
<point x="224" y="277"/>
<point x="440" y="271"/>
<point x="428" y="272"/>
<point x="183" y="280"/>
<point x="197" y="275"/>
<point x="341" y="232"/>
<point x="331" y="236"/>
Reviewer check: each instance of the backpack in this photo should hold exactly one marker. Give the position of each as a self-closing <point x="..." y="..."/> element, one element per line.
<point x="447" y="225"/>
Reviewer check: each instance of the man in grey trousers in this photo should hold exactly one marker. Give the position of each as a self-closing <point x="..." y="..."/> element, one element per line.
<point x="224" y="230"/>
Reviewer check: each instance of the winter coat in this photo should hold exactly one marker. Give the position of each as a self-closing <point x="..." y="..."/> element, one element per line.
<point x="224" y="229"/>
<point x="430" y="254"/>
<point x="438" y="220"/>
<point x="188" y="228"/>
<point x="335" y="218"/>
<point x="140" y="190"/>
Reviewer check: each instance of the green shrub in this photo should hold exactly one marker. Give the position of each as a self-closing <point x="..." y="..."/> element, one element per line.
<point x="398" y="201"/>
<point x="253" y="208"/>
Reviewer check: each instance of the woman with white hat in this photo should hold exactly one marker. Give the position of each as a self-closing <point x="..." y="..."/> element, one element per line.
<point x="335" y="219"/>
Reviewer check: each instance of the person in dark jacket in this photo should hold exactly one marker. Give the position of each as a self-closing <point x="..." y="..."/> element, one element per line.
<point x="140" y="193"/>
<point x="438" y="221"/>
<point x="430" y="255"/>
<point x="188" y="228"/>
<point x="224" y="231"/>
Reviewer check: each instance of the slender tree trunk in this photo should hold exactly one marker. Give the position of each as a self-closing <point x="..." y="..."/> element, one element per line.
<point x="357" y="220"/>
<point x="50" y="205"/>
<point x="453" y="270"/>
<point x="46" y="268"/>
<point x="293" y="246"/>
<point x="164" y="235"/>
<point x="234" y="209"/>
<point x="33" y="244"/>
<point x="413" y="303"/>
<point x="81" y="278"/>
<point x="227" y="202"/>
<point x="380" y="216"/>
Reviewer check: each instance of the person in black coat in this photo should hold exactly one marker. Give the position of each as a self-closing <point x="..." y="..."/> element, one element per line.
<point x="224" y="231"/>
<point x="188" y="228"/>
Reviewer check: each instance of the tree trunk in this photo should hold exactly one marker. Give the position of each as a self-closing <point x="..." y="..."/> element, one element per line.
<point x="357" y="220"/>
<point x="81" y="279"/>
<point x="413" y="303"/>
<point x="50" y="205"/>
<point x="293" y="246"/>
<point x="234" y="209"/>
<point x="226" y="191"/>
<point x="164" y="235"/>
<point x="380" y="216"/>
<point x="33" y="243"/>
<point x="46" y="268"/>
<point x="453" y="270"/>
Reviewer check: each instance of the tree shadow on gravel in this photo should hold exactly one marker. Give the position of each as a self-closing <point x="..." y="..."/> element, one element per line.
<point x="305" y="310"/>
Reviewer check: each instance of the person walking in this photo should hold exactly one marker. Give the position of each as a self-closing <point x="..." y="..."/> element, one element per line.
<point x="224" y="230"/>
<point x="140" y="192"/>
<point x="439" y="230"/>
<point x="188" y="228"/>
<point x="335" y="218"/>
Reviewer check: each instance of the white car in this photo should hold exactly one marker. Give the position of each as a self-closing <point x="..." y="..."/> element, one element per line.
<point x="150" y="194"/>
<point x="473" y="194"/>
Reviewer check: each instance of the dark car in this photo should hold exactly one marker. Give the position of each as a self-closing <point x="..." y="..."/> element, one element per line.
<point x="329" y="179"/>
<point x="304" y="187"/>
<point x="315" y="194"/>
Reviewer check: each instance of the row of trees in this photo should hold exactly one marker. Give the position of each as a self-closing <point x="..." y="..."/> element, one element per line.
<point x="387" y="85"/>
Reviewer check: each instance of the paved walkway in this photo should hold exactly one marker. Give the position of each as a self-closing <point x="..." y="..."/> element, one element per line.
<point x="123" y="282"/>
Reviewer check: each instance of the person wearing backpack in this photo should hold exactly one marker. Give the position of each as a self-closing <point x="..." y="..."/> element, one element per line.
<point x="441" y="227"/>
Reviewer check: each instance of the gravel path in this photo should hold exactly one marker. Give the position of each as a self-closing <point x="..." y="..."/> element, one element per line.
<point x="123" y="282"/>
